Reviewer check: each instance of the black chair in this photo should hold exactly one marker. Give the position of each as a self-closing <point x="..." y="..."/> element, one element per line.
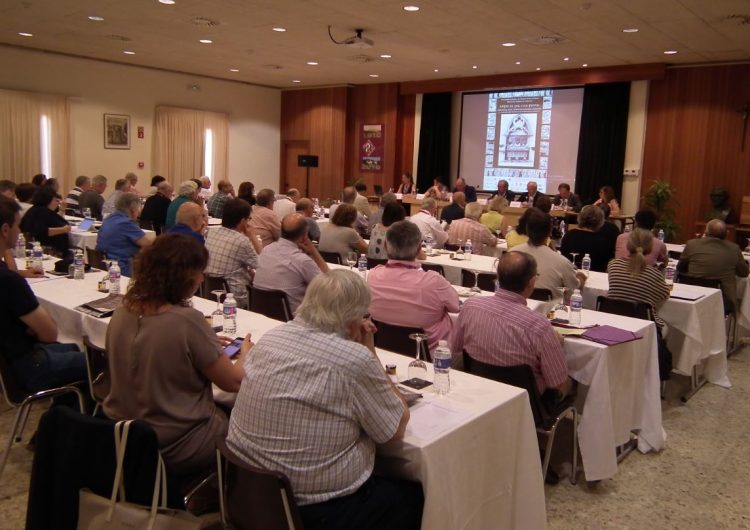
<point x="396" y="339"/>
<point x="21" y="399"/>
<point x="674" y="254"/>
<point x="96" y="365"/>
<point x="254" y="499"/>
<point x="541" y="294"/>
<point x="212" y="283"/>
<point x="433" y="267"/>
<point x="626" y="308"/>
<point x="546" y="418"/>
<point x="271" y="303"/>
<point x="331" y="257"/>
<point x="146" y="225"/>
<point x="96" y="258"/>
<point x="451" y="247"/>
<point x="374" y="262"/>
<point x="485" y="280"/>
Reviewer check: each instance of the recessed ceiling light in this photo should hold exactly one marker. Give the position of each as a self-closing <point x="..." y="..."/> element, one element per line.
<point x="128" y="52"/>
<point x="585" y="65"/>
<point x="24" y="34"/>
<point x="474" y="67"/>
<point x="566" y="58"/>
<point x="374" y="75"/>
<point x="537" y="68"/>
<point x="518" y="62"/>
<point x="234" y="70"/>
<point x="96" y="18"/>
<point x="436" y="70"/>
<point x="280" y="30"/>
<point x="411" y="8"/>
<point x="509" y="44"/>
<point x="630" y="30"/>
<point x="167" y="2"/>
<point x="296" y="81"/>
<point x="312" y="63"/>
<point x="206" y="41"/>
<point x="670" y="52"/>
<point x="385" y="56"/>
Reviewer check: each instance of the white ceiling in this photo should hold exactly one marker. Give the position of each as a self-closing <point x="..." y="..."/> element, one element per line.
<point x="450" y="36"/>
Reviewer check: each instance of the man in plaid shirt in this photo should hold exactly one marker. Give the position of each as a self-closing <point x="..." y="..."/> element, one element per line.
<point x="218" y="200"/>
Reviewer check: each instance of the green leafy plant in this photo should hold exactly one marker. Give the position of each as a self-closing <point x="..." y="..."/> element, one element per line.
<point x="660" y="197"/>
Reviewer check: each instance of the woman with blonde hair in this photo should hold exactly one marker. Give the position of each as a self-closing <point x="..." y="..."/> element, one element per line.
<point x="493" y="217"/>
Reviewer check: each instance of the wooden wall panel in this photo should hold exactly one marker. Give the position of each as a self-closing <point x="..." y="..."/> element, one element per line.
<point x="405" y="147"/>
<point x="693" y="134"/>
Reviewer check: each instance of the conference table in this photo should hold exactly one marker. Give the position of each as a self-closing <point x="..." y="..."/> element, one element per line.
<point x="474" y="451"/>
<point x="87" y="238"/>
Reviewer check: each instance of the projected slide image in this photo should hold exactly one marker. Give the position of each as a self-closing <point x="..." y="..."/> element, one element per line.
<point x="517" y="145"/>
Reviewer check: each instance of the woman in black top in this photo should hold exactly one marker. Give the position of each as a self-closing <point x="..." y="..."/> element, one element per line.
<point x="44" y="223"/>
<point x="586" y="239"/>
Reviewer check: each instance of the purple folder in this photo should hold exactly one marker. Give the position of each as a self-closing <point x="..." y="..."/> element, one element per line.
<point x="610" y="335"/>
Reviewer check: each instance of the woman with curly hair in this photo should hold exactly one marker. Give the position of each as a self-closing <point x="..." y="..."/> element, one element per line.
<point x="163" y="356"/>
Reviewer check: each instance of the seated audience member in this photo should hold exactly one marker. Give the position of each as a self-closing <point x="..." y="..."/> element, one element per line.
<point x="349" y="196"/>
<point x="564" y="194"/>
<point x="305" y="207"/>
<point x="532" y="194"/>
<point x="609" y="230"/>
<point x="39" y="179"/>
<point x="205" y="190"/>
<point x="45" y="224"/>
<point x="121" y="186"/>
<point x="231" y="254"/>
<point x="191" y="221"/>
<point x="246" y="192"/>
<point x="470" y="192"/>
<point x="720" y="207"/>
<point x="24" y="323"/>
<point x="374" y="218"/>
<point x="455" y="210"/>
<point x="517" y="236"/>
<point x="607" y="196"/>
<point x="164" y="356"/>
<point x="713" y="256"/>
<point x="501" y="330"/>
<point x="407" y="185"/>
<point x="155" y="181"/>
<point x="493" y="217"/>
<point x="264" y="222"/>
<point x="392" y="213"/>
<point x="503" y="191"/>
<point x="290" y="263"/>
<point x="132" y="178"/>
<point x="405" y="295"/>
<point x="83" y="183"/>
<point x="461" y="230"/>
<point x="437" y="191"/>
<point x="556" y="272"/>
<point x="157" y="206"/>
<point x="586" y="239"/>
<point x="216" y="203"/>
<point x="187" y="192"/>
<point x="320" y="423"/>
<point x="360" y="200"/>
<point x="8" y="189"/>
<point x="339" y="236"/>
<point x="93" y="198"/>
<point x="544" y="203"/>
<point x="24" y="193"/>
<point x="645" y="219"/>
<point x="428" y="225"/>
<point x="120" y="237"/>
<point x="286" y="204"/>
<point x="52" y="183"/>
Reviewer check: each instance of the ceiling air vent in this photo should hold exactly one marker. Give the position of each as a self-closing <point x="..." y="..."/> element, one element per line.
<point x="737" y="19"/>
<point x="205" y="22"/>
<point x="121" y="38"/>
<point x="545" y="40"/>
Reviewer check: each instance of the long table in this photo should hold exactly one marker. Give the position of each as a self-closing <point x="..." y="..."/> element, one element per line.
<point x="496" y="482"/>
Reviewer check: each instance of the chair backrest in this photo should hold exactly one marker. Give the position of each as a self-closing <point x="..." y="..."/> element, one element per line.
<point x="434" y="267"/>
<point x="331" y="257"/>
<point x="374" y="262"/>
<point x="712" y="283"/>
<point x="396" y="339"/>
<point x="485" y="280"/>
<point x="145" y="225"/>
<point x="96" y="365"/>
<point x="212" y="283"/>
<point x="273" y="304"/>
<point x="96" y="258"/>
<point x="451" y="247"/>
<point x="626" y="308"/>
<point x="544" y="295"/>
<point x="256" y="499"/>
<point x="13" y="391"/>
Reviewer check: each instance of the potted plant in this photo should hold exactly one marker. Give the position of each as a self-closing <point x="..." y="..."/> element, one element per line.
<point x="660" y="197"/>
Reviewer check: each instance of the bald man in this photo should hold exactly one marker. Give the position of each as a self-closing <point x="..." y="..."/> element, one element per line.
<point x="286" y="204"/>
<point x="290" y="263"/>
<point x="712" y="256"/>
<point x="532" y="194"/>
<point x="469" y="191"/>
<point x="191" y="220"/>
<point x="155" y="209"/>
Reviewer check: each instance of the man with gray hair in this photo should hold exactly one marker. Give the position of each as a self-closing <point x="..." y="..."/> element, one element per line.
<point x="191" y="221"/>
<point x="83" y="183"/>
<point x="305" y="207"/>
<point x="205" y="189"/>
<point x="121" y="186"/>
<point x="93" y="198"/>
<point x="314" y="405"/>
<point x="349" y="196"/>
<point x="188" y="191"/>
<point x="216" y="203"/>
<point x="120" y="237"/>
<point x="156" y="207"/>
<point x="286" y="204"/>
<point x="405" y="295"/>
<point x="375" y="217"/>
<point x="264" y="222"/>
<point x="428" y="224"/>
<point x="461" y="230"/>
<point x="587" y="239"/>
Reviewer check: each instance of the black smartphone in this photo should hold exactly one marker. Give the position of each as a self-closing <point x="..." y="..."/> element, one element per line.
<point x="416" y="383"/>
<point x="233" y="348"/>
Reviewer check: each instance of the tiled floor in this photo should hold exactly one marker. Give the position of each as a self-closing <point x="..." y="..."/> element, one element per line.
<point x="701" y="481"/>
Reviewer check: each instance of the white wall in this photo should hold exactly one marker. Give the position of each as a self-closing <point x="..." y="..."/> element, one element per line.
<point x="97" y="87"/>
<point x="631" y="184"/>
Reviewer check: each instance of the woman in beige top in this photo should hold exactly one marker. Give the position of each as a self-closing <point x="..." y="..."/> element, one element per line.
<point x="607" y="196"/>
<point x="163" y="356"/>
<point x="339" y="236"/>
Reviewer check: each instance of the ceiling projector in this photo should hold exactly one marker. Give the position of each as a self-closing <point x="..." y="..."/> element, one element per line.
<point x="355" y="41"/>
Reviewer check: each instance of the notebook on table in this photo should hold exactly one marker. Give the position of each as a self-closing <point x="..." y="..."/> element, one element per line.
<point x="610" y="335"/>
<point x="102" y="307"/>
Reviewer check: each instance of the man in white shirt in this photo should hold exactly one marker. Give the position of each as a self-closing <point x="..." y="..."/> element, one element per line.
<point x="205" y="190"/>
<point x="428" y="223"/>
<point x="360" y="201"/>
<point x="286" y="204"/>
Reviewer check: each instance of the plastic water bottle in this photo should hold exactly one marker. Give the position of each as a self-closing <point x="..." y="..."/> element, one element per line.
<point x="230" y="314"/>
<point x="576" y="304"/>
<point x="586" y="264"/>
<point x="661" y="235"/>
<point x="21" y="246"/>
<point x="669" y="273"/>
<point x="441" y="361"/>
<point x="562" y="229"/>
<point x="429" y="244"/>
<point x="79" y="273"/>
<point x="37" y="257"/>
<point x="362" y="266"/>
<point x="114" y="278"/>
<point x="468" y="249"/>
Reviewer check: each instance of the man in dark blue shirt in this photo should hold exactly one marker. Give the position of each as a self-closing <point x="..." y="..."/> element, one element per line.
<point x="120" y="237"/>
<point x="191" y="221"/>
<point x="470" y="192"/>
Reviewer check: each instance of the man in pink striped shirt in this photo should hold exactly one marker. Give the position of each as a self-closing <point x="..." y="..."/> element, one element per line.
<point x="405" y="295"/>
<point x="501" y="330"/>
<point x="469" y="227"/>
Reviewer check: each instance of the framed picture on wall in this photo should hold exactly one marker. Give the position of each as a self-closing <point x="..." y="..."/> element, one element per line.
<point x="116" y="131"/>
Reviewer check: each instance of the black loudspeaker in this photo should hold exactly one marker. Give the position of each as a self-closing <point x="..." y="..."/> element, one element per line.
<point x="307" y="161"/>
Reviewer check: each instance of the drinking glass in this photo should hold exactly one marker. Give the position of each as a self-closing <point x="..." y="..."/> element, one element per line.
<point x="564" y="204"/>
<point x="417" y="368"/>
<point x="476" y="288"/>
<point x="217" y="317"/>
<point x="351" y="259"/>
<point x="575" y="263"/>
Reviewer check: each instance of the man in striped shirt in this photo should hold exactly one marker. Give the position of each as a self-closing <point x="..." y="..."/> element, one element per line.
<point x="461" y="230"/>
<point x="501" y="330"/>
<point x="83" y="183"/>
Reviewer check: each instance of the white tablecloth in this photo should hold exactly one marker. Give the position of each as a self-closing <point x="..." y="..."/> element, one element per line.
<point x="88" y="239"/>
<point x="453" y="267"/>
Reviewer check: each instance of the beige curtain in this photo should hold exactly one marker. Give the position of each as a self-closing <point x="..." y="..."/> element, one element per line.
<point x="179" y="141"/>
<point x="20" y="136"/>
